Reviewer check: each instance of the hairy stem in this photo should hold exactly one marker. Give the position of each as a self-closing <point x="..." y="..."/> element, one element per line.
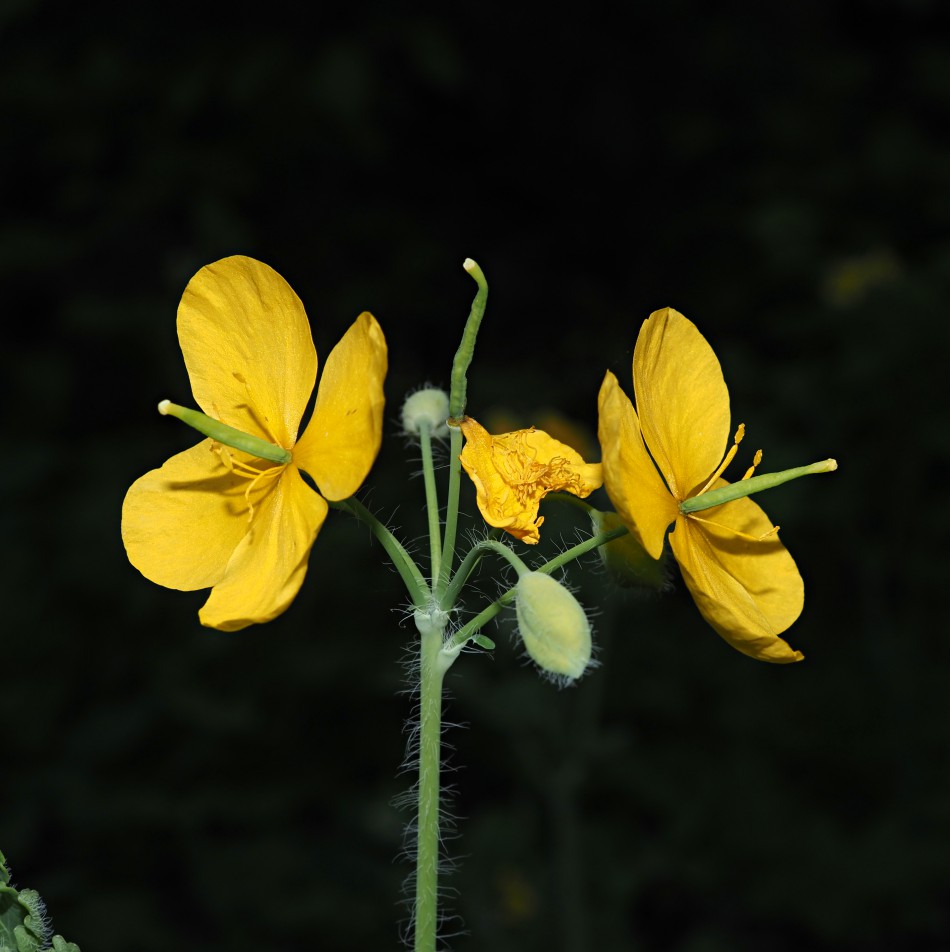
<point x="575" y="552"/>
<point x="433" y="665"/>
<point x="408" y="570"/>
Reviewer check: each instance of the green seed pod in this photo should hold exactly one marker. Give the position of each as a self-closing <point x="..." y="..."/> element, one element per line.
<point x="225" y="434"/>
<point x="553" y="626"/>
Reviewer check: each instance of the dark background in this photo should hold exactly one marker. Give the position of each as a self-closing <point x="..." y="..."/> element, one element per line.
<point x="779" y="173"/>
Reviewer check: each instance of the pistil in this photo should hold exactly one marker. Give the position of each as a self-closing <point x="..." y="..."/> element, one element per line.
<point x="754" y="484"/>
<point x="228" y="435"/>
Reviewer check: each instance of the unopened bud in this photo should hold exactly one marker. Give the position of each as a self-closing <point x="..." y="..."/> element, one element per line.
<point x="628" y="564"/>
<point x="553" y="626"/>
<point x="427" y="406"/>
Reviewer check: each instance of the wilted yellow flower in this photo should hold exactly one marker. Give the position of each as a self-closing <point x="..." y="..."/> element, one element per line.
<point x="217" y="517"/>
<point x="514" y="471"/>
<point x="741" y="577"/>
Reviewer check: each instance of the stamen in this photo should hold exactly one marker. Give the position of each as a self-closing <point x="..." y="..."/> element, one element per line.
<point x="271" y="471"/>
<point x="727" y="459"/>
<point x="736" y="532"/>
<point x="246" y="469"/>
<point x="755" y="462"/>
<point x="240" y="468"/>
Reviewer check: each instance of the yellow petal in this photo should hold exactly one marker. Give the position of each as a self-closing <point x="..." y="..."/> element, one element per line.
<point x="495" y="498"/>
<point x="682" y="400"/>
<point x="268" y="566"/>
<point x="514" y="471"/>
<point x="181" y="523"/>
<point x="632" y="481"/>
<point x="341" y="441"/>
<point x="247" y="346"/>
<point x="746" y="587"/>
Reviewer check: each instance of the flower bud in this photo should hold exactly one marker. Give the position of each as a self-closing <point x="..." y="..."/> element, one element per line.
<point x="628" y="564"/>
<point x="553" y="626"/>
<point x="429" y="405"/>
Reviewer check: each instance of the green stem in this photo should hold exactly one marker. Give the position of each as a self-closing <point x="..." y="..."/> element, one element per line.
<point x="433" y="665"/>
<point x="488" y="613"/>
<point x="432" y="502"/>
<point x="451" y="593"/>
<point x="582" y="548"/>
<point x="451" y="508"/>
<point x="481" y="619"/>
<point x="408" y="570"/>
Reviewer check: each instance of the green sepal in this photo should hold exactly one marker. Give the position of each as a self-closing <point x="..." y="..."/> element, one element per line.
<point x="228" y="435"/>
<point x="628" y="564"/>
<point x="484" y="642"/>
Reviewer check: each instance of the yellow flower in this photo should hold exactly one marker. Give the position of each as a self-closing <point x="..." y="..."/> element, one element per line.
<point x="513" y="472"/>
<point x="741" y="577"/>
<point x="220" y="518"/>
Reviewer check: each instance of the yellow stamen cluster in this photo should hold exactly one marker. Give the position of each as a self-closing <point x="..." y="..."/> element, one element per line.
<point x="241" y="468"/>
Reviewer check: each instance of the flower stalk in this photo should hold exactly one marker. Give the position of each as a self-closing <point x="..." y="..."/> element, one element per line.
<point x="432" y="667"/>
<point x="432" y="502"/>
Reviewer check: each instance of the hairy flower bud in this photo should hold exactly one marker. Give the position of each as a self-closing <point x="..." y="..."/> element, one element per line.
<point x="553" y="626"/>
<point x="427" y="406"/>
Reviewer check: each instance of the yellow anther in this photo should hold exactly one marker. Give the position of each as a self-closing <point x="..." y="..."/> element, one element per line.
<point x="727" y="459"/>
<point x="755" y="462"/>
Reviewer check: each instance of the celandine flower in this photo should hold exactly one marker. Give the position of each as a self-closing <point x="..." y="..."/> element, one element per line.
<point x="218" y="517"/>
<point x="514" y="471"/>
<point x="741" y="577"/>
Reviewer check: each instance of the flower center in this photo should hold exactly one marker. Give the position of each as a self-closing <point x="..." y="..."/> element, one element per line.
<point x="253" y="473"/>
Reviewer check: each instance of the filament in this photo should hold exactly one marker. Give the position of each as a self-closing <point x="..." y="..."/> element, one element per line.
<point x="737" y="532"/>
<point x="727" y="459"/>
<point x="755" y="462"/>
<point x="252" y="473"/>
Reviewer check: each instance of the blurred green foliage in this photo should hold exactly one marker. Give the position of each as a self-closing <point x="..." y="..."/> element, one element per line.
<point x="24" y="923"/>
<point x="781" y="175"/>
